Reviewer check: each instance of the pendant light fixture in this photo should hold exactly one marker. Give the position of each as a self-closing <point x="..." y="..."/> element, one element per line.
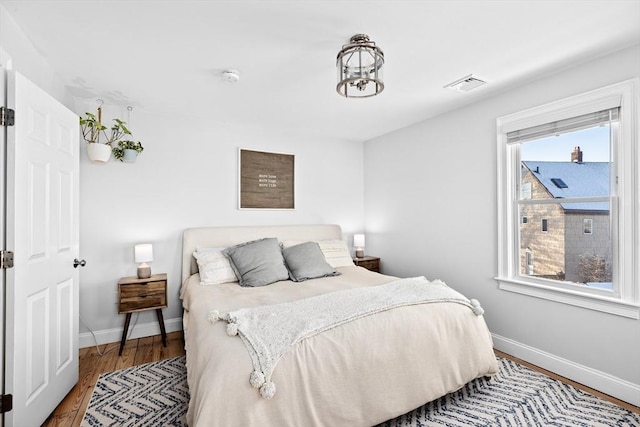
<point x="359" y="66"/>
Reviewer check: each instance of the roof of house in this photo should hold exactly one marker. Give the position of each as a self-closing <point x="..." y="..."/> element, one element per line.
<point x="574" y="179"/>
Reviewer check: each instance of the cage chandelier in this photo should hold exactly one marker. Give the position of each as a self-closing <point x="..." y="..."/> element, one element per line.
<point x="359" y="65"/>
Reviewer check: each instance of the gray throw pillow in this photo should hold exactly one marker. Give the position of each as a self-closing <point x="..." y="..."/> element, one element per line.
<point x="306" y="261"/>
<point x="257" y="263"/>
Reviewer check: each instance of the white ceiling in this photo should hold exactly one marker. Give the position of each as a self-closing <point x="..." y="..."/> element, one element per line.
<point x="169" y="55"/>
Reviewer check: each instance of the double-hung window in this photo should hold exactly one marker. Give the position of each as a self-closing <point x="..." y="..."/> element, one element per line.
<point x="557" y="165"/>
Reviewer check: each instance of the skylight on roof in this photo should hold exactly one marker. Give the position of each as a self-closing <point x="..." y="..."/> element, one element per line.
<point x="559" y="183"/>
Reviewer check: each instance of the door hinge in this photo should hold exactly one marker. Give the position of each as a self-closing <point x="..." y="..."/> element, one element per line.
<point x="7" y="116"/>
<point x="6" y="404"/>
<point x="6" y="260"/>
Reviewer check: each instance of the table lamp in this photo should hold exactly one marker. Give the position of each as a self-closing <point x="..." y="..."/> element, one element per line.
<point x="143" y="255"/>
<point x="358" y="243"/>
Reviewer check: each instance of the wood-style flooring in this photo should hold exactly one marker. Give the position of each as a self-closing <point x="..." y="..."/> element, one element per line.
<point x="136" y="352"/>
<point x="144" y="350"/>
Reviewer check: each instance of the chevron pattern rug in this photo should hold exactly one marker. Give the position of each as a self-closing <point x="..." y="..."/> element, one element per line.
<point x="156" y="394"/>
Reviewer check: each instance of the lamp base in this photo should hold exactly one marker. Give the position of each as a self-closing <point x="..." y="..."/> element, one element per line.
<point x="359" y="253"/>
<point x="144" y="272"/>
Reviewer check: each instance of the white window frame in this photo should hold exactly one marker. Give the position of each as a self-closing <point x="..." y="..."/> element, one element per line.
<point x="586" y="221"/>
<point x="625" y="210"/>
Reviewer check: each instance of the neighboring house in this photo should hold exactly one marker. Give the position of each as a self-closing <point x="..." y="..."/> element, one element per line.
<point x="566" y="241"/>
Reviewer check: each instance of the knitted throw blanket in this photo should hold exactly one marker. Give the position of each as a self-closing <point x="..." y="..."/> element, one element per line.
<point x="270" y="331"/>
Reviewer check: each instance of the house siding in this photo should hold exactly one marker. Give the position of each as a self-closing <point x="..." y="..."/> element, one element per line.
<point x="578" y="244"/>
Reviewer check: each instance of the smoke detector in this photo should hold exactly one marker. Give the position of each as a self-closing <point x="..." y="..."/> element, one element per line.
<point x="230" y="76"/>
<point x="466" y="84"/>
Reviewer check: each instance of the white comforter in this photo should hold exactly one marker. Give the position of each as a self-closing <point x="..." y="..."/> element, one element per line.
<point x="357" y="374"/>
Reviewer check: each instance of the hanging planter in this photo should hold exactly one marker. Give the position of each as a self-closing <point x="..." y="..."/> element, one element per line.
<point x="93" y="129"/>
<point x="129" y="155"/>
<point x="127" y="151"/>
<point x="98" y="152"/>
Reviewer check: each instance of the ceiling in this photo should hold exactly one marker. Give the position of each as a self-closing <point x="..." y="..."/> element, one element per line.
<point x="161" y="56"/>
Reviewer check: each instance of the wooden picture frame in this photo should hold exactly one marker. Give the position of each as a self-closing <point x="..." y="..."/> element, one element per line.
<point x="266" y="180"/>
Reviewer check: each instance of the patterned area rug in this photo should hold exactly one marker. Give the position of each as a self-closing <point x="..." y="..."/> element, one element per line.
<point x="156" y="394"/>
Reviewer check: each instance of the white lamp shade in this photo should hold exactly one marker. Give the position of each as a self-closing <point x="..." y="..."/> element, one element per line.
<point x="358" y="240"/>
<point x="144" y="252"/>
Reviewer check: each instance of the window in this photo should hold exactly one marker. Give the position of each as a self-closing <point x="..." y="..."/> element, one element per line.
<point x="529" y="261"/>
<point x="560" y="162"/>
<point x="587" y="226"/>
<point x="525" y="219"/>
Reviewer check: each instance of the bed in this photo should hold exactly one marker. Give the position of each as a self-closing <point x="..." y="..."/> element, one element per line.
<point x="359" y="373"/>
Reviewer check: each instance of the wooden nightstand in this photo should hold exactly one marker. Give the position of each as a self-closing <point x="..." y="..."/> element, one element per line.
<point x="369" y="262"/>
<point x="136" y="295"/>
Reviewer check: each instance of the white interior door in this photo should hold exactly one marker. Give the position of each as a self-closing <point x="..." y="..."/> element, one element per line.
<point x="3" y="81"/>
<point x="42" y="231"/>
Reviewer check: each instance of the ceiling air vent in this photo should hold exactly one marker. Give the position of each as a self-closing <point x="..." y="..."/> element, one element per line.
<point x="466" y="84"/>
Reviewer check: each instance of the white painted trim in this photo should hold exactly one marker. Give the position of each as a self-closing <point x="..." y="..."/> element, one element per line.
<point x="598" y="380"/>
<point x="140" y="330"/>
<point x="575" y="298"/>
<point x="625" y="211"/>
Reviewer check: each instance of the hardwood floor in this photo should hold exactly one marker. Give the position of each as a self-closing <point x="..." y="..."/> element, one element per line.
<point x="136" y="352"/>
<point x="144" y="350"/>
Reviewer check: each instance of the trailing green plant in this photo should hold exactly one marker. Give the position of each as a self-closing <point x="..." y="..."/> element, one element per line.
<point x="92" y="129"/>
<point x="118" y="151"/>
<point x="118" y="131"/>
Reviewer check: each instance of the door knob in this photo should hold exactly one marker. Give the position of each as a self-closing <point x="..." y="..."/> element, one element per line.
<point x="79" y="262"/>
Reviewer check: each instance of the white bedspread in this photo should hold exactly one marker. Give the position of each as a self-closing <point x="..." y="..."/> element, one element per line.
<point x="357" y="374"/>
<point x="269" y="331"/>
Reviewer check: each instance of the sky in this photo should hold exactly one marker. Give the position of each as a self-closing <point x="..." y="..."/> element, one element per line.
<point x="594" y="143"/>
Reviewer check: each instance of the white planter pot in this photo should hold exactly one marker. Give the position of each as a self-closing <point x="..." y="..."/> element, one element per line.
<point x="129" y="155"/>
<point x="98" y="152"/>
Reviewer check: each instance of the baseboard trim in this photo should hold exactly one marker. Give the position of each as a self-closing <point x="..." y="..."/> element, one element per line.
<point x="598" y="380"/>
<point x="140" y="330"/>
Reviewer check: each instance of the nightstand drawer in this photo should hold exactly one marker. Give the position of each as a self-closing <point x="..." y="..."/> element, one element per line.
<point x="151" y="288"/>
<point x="142" y="303"/>
<point x="142" y="295"/>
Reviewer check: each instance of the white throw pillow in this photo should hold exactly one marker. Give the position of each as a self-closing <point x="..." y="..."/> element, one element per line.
<point x="214" y="267"/>
<point x="336" y="252"/>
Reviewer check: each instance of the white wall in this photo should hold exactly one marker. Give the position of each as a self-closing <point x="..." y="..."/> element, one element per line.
<point x="431" y="209"/>
<point x="187" y="177"/>
<point x="17" y="53"/>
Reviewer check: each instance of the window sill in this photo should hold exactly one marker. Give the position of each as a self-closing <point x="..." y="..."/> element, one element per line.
<point x="578" y="299"/>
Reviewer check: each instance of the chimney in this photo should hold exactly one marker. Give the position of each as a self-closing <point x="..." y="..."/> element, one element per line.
<point x="576" y="155"/>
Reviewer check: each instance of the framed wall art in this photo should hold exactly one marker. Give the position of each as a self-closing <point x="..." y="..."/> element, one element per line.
<point x="266" y="180"/>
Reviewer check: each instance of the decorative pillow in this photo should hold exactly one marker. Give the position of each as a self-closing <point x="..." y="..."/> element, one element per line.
<point x="337" y="253"/>
<point x="258" y="262"/>
<point x="214" y="267"/>
<point x="306" y="261"/>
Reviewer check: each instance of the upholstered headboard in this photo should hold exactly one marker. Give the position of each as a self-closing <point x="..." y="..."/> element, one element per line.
<point x="222" y="237"/>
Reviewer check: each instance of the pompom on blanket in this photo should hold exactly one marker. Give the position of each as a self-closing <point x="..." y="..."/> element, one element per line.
<point x="269" y="331"/>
